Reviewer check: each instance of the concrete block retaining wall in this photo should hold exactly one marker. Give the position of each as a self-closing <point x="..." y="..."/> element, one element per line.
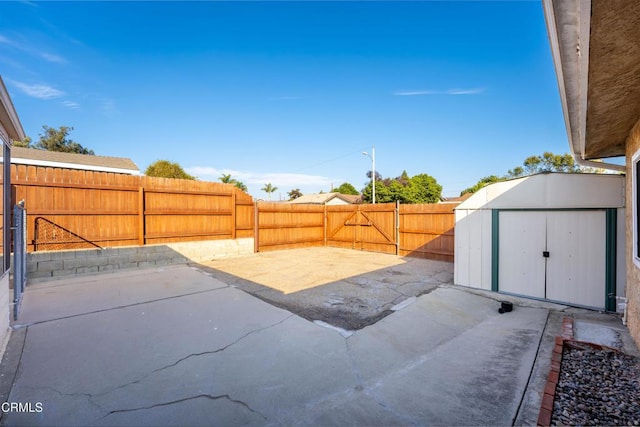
<point x="42" y="265"/>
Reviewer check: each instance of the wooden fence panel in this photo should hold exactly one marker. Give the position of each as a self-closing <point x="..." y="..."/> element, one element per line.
<point x="72" y="209"/>
<point x="283" y="226"/>
<point x="427" y="231"/>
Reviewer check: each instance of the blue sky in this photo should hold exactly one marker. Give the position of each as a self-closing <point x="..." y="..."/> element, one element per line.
<point x="291" y="92"/>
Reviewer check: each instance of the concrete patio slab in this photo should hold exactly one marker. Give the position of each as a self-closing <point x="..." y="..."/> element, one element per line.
<point x="197" y="351"/>
<point x="345" y="288"/>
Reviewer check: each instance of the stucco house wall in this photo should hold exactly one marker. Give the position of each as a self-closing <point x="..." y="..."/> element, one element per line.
<point x="633" y="272"/>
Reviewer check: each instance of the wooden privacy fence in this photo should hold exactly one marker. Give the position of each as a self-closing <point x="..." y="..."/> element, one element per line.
<point x="425" y="231"/>
<point x="72" y="209"/>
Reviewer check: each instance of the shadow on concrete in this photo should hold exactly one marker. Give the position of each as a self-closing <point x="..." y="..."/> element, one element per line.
<point x="315" y="283"/>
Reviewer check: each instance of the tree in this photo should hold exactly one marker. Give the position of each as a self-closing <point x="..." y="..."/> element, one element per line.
<point x="25" y="143"/>
<point x="346" y="188"/>
<point x="226" y="179"/>
<point x="547" y="162"/>
<point x="167" y="169"/>
<point x="421" y="188"/>
<point x="268" y="188"/>
<point x="482" y="183"/>
<point x="294" y="194"/>
<point x="56" y="140"/>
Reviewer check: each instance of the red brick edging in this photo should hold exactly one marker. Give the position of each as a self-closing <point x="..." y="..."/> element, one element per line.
<point x="546" y="409"/>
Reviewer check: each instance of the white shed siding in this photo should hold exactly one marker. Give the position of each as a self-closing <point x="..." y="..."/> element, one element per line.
<point x="569" y="196"/>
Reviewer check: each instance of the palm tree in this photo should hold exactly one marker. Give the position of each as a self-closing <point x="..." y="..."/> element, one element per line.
<point x="294" y="194"/>
<point x="225" y="178"/>
<point x="268" y="188"/>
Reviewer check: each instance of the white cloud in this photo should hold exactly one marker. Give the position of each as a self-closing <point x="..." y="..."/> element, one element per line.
<point x="415" y="92"/>
<point x="465" y="91"/>
<point x="49" y="57"/>
<point x="71" y="104"/>
<point x="281" y="179"/>
<point x="53" y="58"/>
<point x="473" y="91"/>
<point x="39" y="91"/>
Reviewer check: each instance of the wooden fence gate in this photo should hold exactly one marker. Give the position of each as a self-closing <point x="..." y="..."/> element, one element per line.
<point x="363" y="227"/>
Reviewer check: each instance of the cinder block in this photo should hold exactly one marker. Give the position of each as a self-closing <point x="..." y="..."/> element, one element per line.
<point x="86" y="270"/>
<point x="127" y="251"/>
<point x="147" y="264"/>
<point x="39" y="256"/>
<point x="155" y="256"/>
<point x="59" y="273"/>
<point x="32" y="266"/>
<point x="138" y="257"/>
<point x="127" y="265"/>
<point x="75" y="263"/>
<point x="108" y="267"/>
<point x="63" y="255"/>
<point x="40" y="274"/>
<point x="51" y="265"/>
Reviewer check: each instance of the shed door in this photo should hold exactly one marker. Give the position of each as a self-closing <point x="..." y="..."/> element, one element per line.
<point x="574" y="270"/>
<point x="577" y="257"/>
<point x="522" y="240"/>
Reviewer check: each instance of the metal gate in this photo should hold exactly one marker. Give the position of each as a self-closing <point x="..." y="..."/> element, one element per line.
<point x="19" y="255"/>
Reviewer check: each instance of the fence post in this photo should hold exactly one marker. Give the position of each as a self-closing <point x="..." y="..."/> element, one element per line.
<point x="397" y="221"/>
<point x="233" y="215"/>
<point x="256" y="228"/>
<point x="141" y="218"/>
<point x="324" y="225"/>
<point x="19" y="255"/>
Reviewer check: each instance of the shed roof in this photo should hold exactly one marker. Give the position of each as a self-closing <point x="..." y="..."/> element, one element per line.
<point x="30" y="156"/>
<point x="551" y="191"/>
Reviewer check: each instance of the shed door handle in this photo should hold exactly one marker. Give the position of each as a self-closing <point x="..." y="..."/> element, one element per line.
<point x="545" y="254"/>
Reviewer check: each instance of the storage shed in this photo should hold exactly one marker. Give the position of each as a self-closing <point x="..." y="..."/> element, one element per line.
<point x="552" y="236"/>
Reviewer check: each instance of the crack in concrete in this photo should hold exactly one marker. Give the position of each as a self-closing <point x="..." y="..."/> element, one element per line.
<point x="370" y="391"/>
<point x="88" y="396"/>
<point x="189" y="356"/>
<point x="186" y="399"/>
<point x="18" y="326"/>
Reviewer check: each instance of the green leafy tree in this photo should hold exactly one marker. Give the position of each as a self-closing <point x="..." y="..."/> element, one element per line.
<point x="346" y="188"/>
<point x="226" y="179"/>
<point x="58" y="140"/>
<point x="482" y="183"/>
<point x="547" y="162"/>
<point x="268" y="188"/>
<point x="167" y="169"/>
<point x="421" y="188"/>
<point x="294" y="194"/>
<point x="25" y="143"/>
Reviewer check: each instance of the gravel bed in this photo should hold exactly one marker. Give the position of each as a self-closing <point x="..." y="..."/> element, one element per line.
<point x="597" y="387"/>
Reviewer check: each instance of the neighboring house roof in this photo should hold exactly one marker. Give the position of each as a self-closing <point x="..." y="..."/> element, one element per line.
<point x="324" y="198"/>
<point x="9" y="121"/>
<point x="30" y="156"/>
<point x="459" y="199"/>
<point x="597" y="59"/>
